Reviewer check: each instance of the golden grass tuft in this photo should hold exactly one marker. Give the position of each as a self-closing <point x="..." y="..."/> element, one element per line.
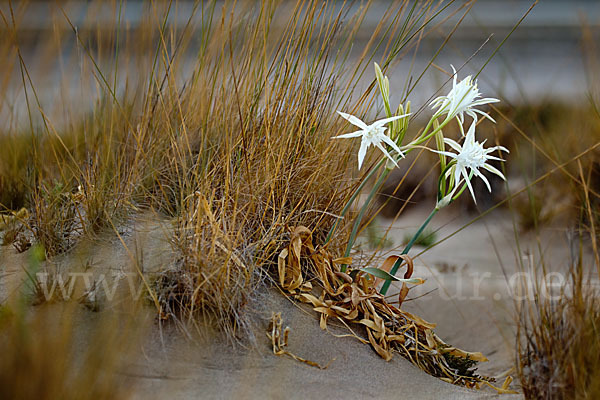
<point x="222" y="123"/>
<point x="559" y="343"/>
<point x="252" y="155"/>
<point x="558" y="331"/>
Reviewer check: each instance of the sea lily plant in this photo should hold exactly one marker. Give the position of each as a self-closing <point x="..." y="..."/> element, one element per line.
<point x="460" y="163"/>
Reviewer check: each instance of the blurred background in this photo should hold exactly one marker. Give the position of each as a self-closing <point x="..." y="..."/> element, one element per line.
<point x="545" y="59"/>
<point x="539" y="58"/>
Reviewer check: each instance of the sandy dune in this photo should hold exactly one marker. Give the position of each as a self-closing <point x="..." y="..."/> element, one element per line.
<point x="471" y="304"/>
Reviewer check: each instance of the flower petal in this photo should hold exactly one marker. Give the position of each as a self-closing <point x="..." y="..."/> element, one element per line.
<point x="468" y="181"/>
<point x="491" y="149"/>
<point x="362" y="152"/>
<point x="437" y="101"/>
<point x="494" y="170"/>
<point x="446" y="153"/>
<point x="487" y="100"/>
<point x="453" y="144"/>
<point x="349" y="135"/>
<point x="393" y="145"/>
<point x="378" y="144"/>
<point x="453" y="76"/>
<point x="486" y="115"/>
<point x="353" y="120"/>
<point x="458" y="172"/>
<point x="493" y="158"/>
<point x="483" y="178"/>
<point x="471" y="133"/>
<point x="384" y="121"/>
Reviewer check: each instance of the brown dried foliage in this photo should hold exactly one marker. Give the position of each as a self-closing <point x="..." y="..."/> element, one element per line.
<point x="313" y="276"/>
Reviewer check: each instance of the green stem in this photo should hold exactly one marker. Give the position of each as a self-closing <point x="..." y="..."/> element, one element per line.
<point x="410" y="244"/>
<point x="425" y="136"/>
<point x="428" y="126"/>
<point x="351" y="200"/>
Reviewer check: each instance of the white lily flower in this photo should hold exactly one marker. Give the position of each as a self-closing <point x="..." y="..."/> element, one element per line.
<point x="372" y="134"/>
<point x="472" y="156"/>
<point x="461" y="100"/>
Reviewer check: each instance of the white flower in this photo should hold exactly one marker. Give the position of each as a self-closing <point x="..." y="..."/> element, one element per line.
<point x="461" y="100"/>
<point x="372" y="134"/>
<point x="472" y="156"/>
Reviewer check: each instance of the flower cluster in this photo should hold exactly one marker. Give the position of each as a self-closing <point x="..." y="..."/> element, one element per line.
<point x="470" y="157"/>
<point x="467" y="160"/>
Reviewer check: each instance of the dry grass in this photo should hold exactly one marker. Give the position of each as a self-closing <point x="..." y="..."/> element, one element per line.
<point x="53" y="352"/>
<point x="546" y="136"/>
<point x="559" y="341"/>
<point x="558" y="335"/>
<point x="222" y="123"/>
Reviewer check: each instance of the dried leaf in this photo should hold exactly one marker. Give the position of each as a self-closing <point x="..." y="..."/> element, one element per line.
<point x="343" y="260"/>
<point x="368" y="323"/>
<point x="385" y="354"/>
<point x="281" y="266"/>
<point x="323" y="322"/>
<point x="430" y="339"/>
<point x="408" y="262"/>
<point x="345" y="277"/>
<point x="311" y="299"/>
<point x="477" y="356"/>
<point x="389" y="263"/>
<point x="280" y="341"/>
<point x="419" y="320"/>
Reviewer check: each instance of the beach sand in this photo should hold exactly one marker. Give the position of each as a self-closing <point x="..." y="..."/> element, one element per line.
<point x="466" y="294"/>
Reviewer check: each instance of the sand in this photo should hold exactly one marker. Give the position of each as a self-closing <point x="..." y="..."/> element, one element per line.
<point x="215" y="370"/>
<point x="471" y="303"/>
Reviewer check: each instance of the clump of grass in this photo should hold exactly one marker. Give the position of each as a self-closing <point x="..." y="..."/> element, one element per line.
<point x="251" y="155"/>
<point x="558" y="336"/>
<point x="235" y="146"/>
<point x="54" y="220"/>
<point x="559" y="343"/>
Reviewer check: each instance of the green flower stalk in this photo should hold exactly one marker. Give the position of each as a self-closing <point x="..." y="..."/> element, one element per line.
<point x="455" y="176"/>
<point x="387" y="283"/>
